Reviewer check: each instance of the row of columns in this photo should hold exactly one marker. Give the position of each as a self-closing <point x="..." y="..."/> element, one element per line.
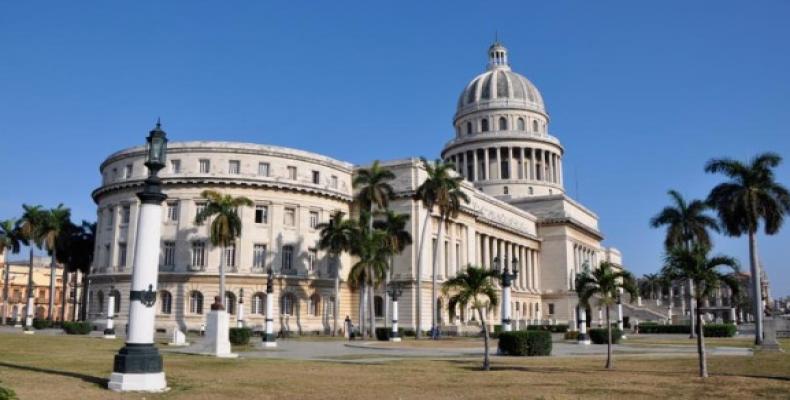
<point x="528" y="260"/>
<point x="581" y="255"/>
<point x="521" y="163"/>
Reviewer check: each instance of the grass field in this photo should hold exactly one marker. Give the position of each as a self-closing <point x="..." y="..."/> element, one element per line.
<point x="45" y="367"/>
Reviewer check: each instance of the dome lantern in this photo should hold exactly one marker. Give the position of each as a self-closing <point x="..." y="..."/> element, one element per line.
<point x="497" y="56"/>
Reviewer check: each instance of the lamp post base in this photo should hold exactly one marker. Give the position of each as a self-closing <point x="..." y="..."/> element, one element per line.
<point x="395" y="339"/>
<point x="29" y="332"/>
<point x="269" y="344"/>
<point x="145" y="382"/>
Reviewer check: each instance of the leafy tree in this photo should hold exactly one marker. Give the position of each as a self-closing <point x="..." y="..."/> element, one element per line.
<point x="443" y="191"/>
<point x="225" y="227"/>
<point x="605" y="283"/>
<point x="11" y="241"/>
<point x="749" y="197"/>
<point x="475" y="287"/>
<point x="696" y="266"/>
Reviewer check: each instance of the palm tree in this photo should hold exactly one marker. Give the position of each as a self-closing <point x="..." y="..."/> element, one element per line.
<point x="54" y="223"/>
<point x="441" y="190"/>
<point x="649" y="286"/>
<point x="751" y="195"/>
<point x="30" y="225"/>
<point x="397" y="238"/>
<point x="687" y="223"/>
<point x="372" y="262"/>
<point x="77" y="249"/>
<point x="373" y="190"/>
<point x="225" y="228"/>
<point x="337" y="236"/>
<point x="606" y="283"/>
<point x="10" y="241"/>
<point x="473" y="286"/>
<point x="696" y="266"/>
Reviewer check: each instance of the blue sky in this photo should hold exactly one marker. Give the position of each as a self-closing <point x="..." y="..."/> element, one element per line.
<point x="640" y="94"/>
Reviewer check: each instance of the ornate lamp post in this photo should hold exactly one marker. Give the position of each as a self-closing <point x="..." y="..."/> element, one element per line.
<point x="394" y="290"/>
<point x="109" y="329"/>
<point x="268" y="337"/>
<point x="507" y="277"/>
<point x="620" y="311"/>
<point x="240" y="314"/>
<point x="138" y="365"/>
<point x="584" y="338"/>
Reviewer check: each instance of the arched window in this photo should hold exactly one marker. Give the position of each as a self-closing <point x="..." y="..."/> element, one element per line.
<point x="502" y="124"/>
<point x="534" y="126"/>
<point x="100" y="301"/>
<point x="314" y="307"/>
<point x="484" y="125"/>
<point x="378" y="306"/>
<point x="117" y="305"/>
<point x="230" y="303"/>
<point x="165" y="302"/>
<point x="287" y="303"/>
<point x="195" y="302"/>
<point x="505" y="190"/>
<point x="468" y="128"/>
<point x="520" y="124"/>
<point x="259" y="303"/>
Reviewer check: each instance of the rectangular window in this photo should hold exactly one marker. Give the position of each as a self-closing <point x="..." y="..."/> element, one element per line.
<point x="115" y="173"/>
<point x="107" y="254"/>
<point x="551" y="308"/>
<point x="172" y="211"/>
<point x="110" y="217"/>
<point x="288" y="253"/>
<point x="258" y="256"/>
<point x="230" y="255"/>
<point x="127" y="172"/>
<point x="169" y="254"/>
<point x="198" y="254"/>
<point x="175" y="166"/>
<point x="263" y="169"/>
<point x="125" y="214"/>
<point x="312" y="259"/>
<point x="292" y="173"/>
<point x="333" y="182"/>
<point x="205" y="166"/>
<point x="316" y="177"/>
<point x="121" y="254"/>
<point x="261" y="214"/>
<point x="313" y="219"/>
<point x="234" y="167"/>
<point x="199" y="207"/>
<point x="289" y="217"/>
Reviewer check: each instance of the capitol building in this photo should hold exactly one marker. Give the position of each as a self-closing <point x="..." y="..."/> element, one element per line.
<point x="500" y="143"/>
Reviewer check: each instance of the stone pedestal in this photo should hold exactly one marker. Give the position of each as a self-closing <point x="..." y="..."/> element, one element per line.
<point x="769" y="336"/>
<point x="151" y="382"/>
<point x="178" y="338"/>
<point x="217" y="341"/>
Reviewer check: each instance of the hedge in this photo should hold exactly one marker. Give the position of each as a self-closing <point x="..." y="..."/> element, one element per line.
<point x="240" y="336"/>
<point x="711" y="330"/>
<point x="600" y="335"/>
<point x="525" y="343"/>
<point x="572" y="335"/>
<point x="560" y="328"/>
<point x="41" y="324"/>
<point x="719" y="330"/>
<point x="77" y="328"/>
<point x="384" y="334"/>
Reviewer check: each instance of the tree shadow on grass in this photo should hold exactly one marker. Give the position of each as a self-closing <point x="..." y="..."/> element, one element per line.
<point x="101" y="382"/>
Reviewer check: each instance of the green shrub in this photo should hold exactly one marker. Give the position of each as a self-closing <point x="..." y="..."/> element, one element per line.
<point x="572" y="335"/>
<point x="77" y="328"/>
<point x="600" y="336"/>
<point x="525" y="343"/>
<point x="655" y="328"/>
<point x="7" y="394"/>
<point x="559" y="328"/>
<point x="41" y="324"/>
<point x="719" y="330"/>
<point x="240" y="336"/>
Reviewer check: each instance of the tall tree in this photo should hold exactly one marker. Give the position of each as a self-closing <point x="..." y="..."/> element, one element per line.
<point x="77" y="248"/>
<point x="225" y="227"/>
<point x="11" y="241"/>
<point x="443" y="191"/>
<point x="705" y="272"/>
<point x="475" y="287"/>
<point x="30" y="227"/>
<point x="373" y="191"/>
<point x="54" y="224"/>
<point x="371" y="266"/>
<point x="337" y="236"/>
<point x="750" y="196"/>
<point x="687" y="223"/>
<point x="649" y="286"/>
<point x="606" y="283"/>
<point x="397" y="238"/>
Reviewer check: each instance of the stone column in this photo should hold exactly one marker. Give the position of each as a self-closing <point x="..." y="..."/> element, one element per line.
<point x="487" y="166"/>
<point x="109" y="329"/>
<point x="474" y="166"/>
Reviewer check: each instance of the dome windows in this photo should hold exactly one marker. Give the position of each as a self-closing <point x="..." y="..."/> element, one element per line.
<point x="520" y="124"/>
<point x="535" y="126"/>
<point x="484" y="125"/>
<point x="468" y="128"/>
<point x="502" y="124"/>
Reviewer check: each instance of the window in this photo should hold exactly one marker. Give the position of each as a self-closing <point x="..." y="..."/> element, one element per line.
<point x="165" y="302"/>
<point x="468" y="128"/>
<point x="115" y="173"/>
<point x="198" y="254"/>
<point x="534" y="126"/>
<point x="127" y="171"/>
<point x="230" y="303"/>
<point x="312" y="259"/>
<point x="205" y="166"/>
<point x="234" y="167"/>
<point x="288" y="252"/>
<point x="230" y="255"/>
<point x="292" y="173"/>
<point x="333" y="182"/>
<point x="195" y="302"/>
<point x="263" y="169"/>
<point x="125" y="214"/>
<point x="175" y="166"/>
<point x="289" y="217"/>
<point x="287" y="304"/>
<point x="199" y="207"/>
<point x="116" y="295"/>
<point x="122" y="254"/>
<point x="484" y="125"/>
<point x="172" y="211"/>
<point x="551" y="308"/>
<point x="502" y="124"/>
<point x="314" y="306"/>
<point x="261" y="214"/>
<point x="378" y="306"/>
<point x="107" y="254"/>
<point x="313" y="219"/>
<point x="169" y="254"/>
<point x="259" y="303"/>
<point x="316" y="177"/>
<point x="100" y="301"/>
<point x="258" y="256"/>
<point x="110" y="214"/>
<point x="520" y="124"/>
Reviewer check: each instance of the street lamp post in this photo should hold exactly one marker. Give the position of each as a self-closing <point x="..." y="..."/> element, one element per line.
<point x="584" y="338"/>
<point x="109" y="329"/>
<point x="620" y="312"/>
<point x="506" y="278"/>
<point x="240" y="314"/>
<point x="268" y="337"/>
<point x="394" y="290"/>
<point x="138" y="365"/>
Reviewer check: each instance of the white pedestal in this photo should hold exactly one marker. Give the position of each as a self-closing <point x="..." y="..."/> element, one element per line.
<point x="178" y="339"/>
<point x="395" y="339"/>
<point x="153" y="382"/>
<point x="269" y="344"/>
<point x="217" y="341"/>
<point x="109" y="336"/>
<point x="30" y="332"/>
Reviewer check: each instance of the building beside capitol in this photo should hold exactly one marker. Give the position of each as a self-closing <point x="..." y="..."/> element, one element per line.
<point x="518" y="209"/>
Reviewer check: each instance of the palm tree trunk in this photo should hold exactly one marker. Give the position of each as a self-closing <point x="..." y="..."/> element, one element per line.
<point x="486" y="361"/>
<point x="371" y="306"/>
<point x="337" y="297"/>
<point x="757" y="292"/>
<point x="434" y="311"/>
<point x="386" y="295"/>
<point x="692" y="310"/>
<point x="52" y="268"/>
<point x="609" y="361"/>
<point x="703" y="362"/>
<point x="74" y="300"/>
<point x="6" y="276"/>
<point x="362" y="294"/>
<point x="30" y="294"/>
<point x="418" y="333"/>
<point x="64" y="293"/>
<point x="222" y="277"/>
